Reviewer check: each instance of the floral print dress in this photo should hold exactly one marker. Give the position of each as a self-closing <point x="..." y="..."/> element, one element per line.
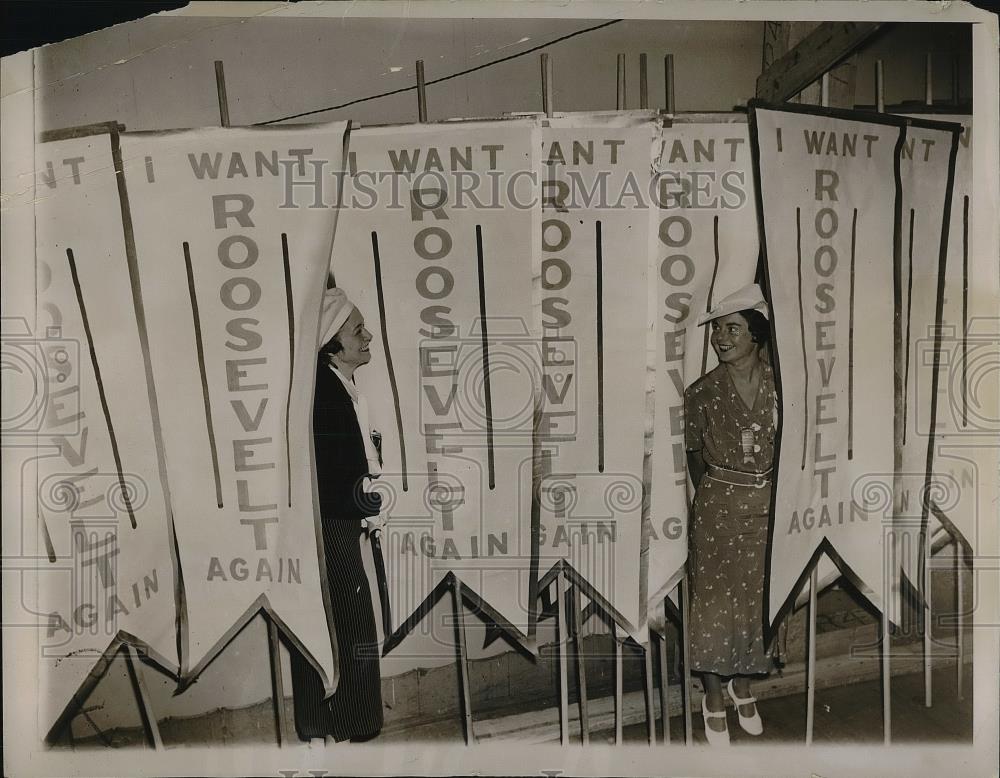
<point x="728" y="528"/>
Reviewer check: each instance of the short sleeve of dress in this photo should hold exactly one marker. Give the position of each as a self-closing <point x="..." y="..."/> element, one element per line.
<point x="694" y="421"/>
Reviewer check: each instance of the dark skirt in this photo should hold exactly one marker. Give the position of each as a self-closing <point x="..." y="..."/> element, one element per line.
<point x="355" y="710"/>
<point x="727" y="546"/>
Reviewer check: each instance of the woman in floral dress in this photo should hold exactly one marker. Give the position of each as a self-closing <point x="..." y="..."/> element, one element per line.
<point x="730" y="419"/>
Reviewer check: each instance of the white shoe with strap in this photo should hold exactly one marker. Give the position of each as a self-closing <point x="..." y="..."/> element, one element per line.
<point x="715" y="737"/>
<point x="752" y="725"/>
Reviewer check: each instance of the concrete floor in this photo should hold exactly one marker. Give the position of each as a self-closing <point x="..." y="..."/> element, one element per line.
<point x="846" y="714"/>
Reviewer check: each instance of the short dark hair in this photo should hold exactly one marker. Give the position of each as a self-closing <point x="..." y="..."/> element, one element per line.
<point x="332" y="346"/>
<point x="757" y="323"/>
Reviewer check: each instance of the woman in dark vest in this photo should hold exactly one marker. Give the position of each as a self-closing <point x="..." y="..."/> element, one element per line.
<point x="346" y="461"/>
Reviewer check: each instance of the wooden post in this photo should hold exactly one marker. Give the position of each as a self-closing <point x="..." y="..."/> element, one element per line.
<point x="421" y="93"/>
<point x="811" y="658"/>
<point x="277" y="681"/>
<point x="826" y="45"/>
<point x="886" y="677"/>
<point x="664" y="679"/>
<point x="581" y="666"/>
<point x="220" y="87"/>
<point x="686" y="660"/>
<point x="824" y="90"/>
<point x="928" y="623"/>
<point x="879" y="87"/>
<point x="547" y="85"/>
<point x="618" y="686"/>
<point x="668" y="83"/>
<point x="561" y="647"/>
<point x="959" y="623"/>
<point x="462" y="659"/>
<point x="142" y="697"/>
<point x="643" y="83"/>
<point x="929" y="80"/>
<point x="621" y="101"/>
<point x="647" y="655"/>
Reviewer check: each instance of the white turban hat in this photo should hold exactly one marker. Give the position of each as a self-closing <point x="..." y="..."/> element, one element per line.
<point x="747" y="298"/>
<point x="336" y="309"/>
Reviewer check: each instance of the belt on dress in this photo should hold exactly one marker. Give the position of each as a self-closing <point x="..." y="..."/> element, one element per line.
<point x="739" y="477"/>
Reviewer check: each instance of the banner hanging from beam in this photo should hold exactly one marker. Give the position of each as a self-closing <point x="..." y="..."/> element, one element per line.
<point x="706" y="248"/>
<point x="927" y="170"/>
<point x="436" y="245"/>
<point x="829" y="196"/>
<point x="967" y="371"/>
<point x="233" y="230"/>
<point x="596" y="232"/>
<point x="103" y="503"/>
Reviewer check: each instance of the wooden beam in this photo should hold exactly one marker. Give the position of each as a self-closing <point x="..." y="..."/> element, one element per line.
<point x="813" y="56"/>
<point x="462" y="660"/>
<point x="149" y="723"/>
<point x="220" y="88"/>
<point x="277" y="681"/>
<point x="581" y="664"/>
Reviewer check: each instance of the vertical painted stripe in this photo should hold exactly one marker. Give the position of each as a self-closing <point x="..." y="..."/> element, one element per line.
<point x="897" y="316"/>
<point x="100" y="386"/>
<point x="491" y="464"/>
<point x="850" y="343"/>
<point x="200" y="347"/>
<point x="50" y="550"/>
<point x="388" y="357"/>
<point x="711" y="293"/>
<point x="965" y="312"/>
<point x="938" y="323"/>
<point x="909" y="312"/>
<point x="600" y="348"/>
<point x="290" y="304"/>
<point x="802" y="338"/>
<point x="135" y="283"/>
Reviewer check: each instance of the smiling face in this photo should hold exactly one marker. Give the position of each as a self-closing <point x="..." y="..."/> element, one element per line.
<point x="354" y="339"/>
<point x="731" y="338"/>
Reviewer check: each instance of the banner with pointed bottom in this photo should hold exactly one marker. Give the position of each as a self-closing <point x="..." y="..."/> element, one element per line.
<point x="233" y="231"/>
<point x="103" y="502"/>
<point x="436" y="246"/>
<point x="706" y="249"/>
<point x="927" y="171"/>
<point x="828" y="203"/>
<point x="596" y="232"/>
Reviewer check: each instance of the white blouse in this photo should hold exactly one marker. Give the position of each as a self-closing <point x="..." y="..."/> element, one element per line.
<point x="361" y="410"/>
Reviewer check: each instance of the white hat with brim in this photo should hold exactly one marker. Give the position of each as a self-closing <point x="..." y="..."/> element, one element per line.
<point x="336" y="309"/>
<point x="745" y="299"/>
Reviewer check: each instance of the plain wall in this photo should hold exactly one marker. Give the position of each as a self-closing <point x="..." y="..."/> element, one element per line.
<point x="158" y="72"/>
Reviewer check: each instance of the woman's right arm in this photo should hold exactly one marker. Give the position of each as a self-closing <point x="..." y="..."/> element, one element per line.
<point x="694" y="423"/>
<point x="696" y="466"/>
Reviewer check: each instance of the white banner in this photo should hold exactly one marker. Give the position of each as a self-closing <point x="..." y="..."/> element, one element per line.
<point x="597" y="226"/>
<point x="968" y="374"/>
<point x="706" y="249"/>
<point x="103" y="508"/>
<point x="828" y="198"/>
<point x="231" y="275"/>
<point x="436" y="245"/>
<point x="927" y="160"/>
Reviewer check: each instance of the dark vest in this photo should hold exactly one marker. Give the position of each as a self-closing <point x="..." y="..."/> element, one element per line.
<point x="341" y="464"/>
